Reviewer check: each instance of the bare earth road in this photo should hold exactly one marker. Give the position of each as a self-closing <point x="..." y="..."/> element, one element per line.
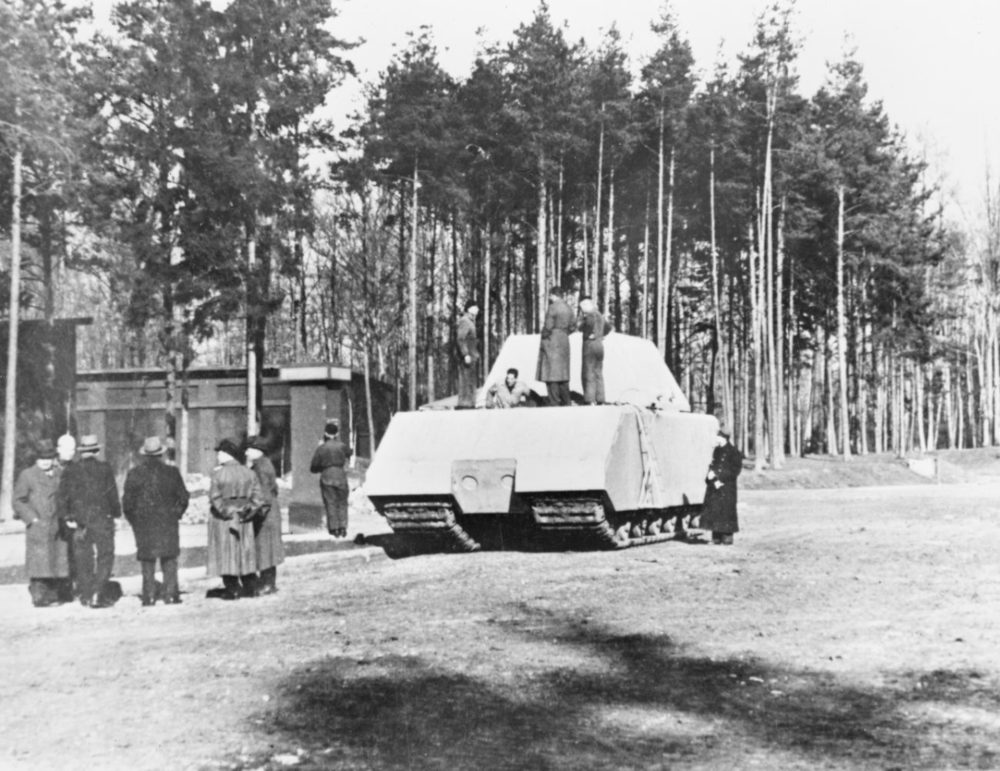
<point x="846" y="629"/>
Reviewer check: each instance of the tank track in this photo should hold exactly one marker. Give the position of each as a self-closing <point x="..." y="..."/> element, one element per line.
<point x="586" y="517"/>
<point x="430" y="521"/>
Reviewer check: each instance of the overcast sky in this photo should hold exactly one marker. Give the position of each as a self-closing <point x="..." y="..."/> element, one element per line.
<point x="931" y="62"/>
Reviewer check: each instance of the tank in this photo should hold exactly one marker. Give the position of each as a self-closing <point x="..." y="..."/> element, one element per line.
<point x="610" y="476"/>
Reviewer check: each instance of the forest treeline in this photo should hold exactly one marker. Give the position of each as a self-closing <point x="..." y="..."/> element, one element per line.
<point x="175" y="179"/>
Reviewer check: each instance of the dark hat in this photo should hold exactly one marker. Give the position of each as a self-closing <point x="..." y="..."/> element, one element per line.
<point x="256" y="442"/>
<point x="231" y="449"/>
<point x="88" y="443"/>
<point x="45" y="449"/>
<point x="332" y="428"/>
<point x="471" y="304"/>
<point x="152" y="446"/>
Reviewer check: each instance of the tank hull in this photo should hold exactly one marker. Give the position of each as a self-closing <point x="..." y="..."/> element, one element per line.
<point x="613" y="475"/>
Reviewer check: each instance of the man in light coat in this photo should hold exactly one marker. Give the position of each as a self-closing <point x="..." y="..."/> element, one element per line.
<point x="553" y="355"/>
<point x="88" y="500"/>
<point x="46" y="557"/>
<point x="508" y="393"/>
<point x="235" y="499"/>
<point x="267" y="526"/>
<point x="154" y="501"/>
<point x="468" y="352"/>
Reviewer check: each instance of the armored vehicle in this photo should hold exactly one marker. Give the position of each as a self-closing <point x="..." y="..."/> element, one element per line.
<point x="609" y="476"/>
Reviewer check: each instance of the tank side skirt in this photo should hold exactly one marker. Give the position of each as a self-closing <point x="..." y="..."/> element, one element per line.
<point x="429" y="519"/>
<point x="587" y="516"/>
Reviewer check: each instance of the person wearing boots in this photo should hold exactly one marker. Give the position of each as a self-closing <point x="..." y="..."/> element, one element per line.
<point x="88" y="500"/>
<point x="46" y="555"/>
<point x="235" y="498"/>
<point x="553" y="352"/>
<point x="154" y="501"/>
<point x="328" y="461"/>
<point x="468" y="356"/>
<point x="719" y="513"/>
<point x="267" y="525"/>
<point x="593" y="328"/>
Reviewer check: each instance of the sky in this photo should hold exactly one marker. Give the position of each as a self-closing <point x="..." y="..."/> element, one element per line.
<point x="930" y="62"/>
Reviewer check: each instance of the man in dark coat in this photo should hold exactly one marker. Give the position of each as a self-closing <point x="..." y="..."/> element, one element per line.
<point x="154" y="500"/>
<point x="719" y="513"/>
<point x="88" y="499"/>
<point x="267" y="525"/>
<point x="235" y="500"/>
<point x="594" y="329"/>
<point x="65" y="455"/>
<point x="553" y="355"/>
<point x="46" y="558"/>
<point x="468" y="353"/>
<point x="328" y="461"/>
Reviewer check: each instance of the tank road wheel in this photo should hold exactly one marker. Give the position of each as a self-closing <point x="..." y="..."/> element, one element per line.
<point x="654" y="526"/>
<point x="430" y="522"/>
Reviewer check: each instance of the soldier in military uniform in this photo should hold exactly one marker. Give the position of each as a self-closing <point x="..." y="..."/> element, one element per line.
<point x="328" y="461"/>
<point x="88" y="501"/>
<point x="468" y="351"/>
<point x="46" y="556"/>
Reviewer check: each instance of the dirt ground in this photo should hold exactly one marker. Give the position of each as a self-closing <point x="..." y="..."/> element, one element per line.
<point x="845" y="629"/>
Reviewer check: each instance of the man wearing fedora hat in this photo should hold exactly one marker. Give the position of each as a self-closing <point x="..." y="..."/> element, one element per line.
<point x="154" y="500"/>
<point x="46" y="557"/>
<point x="88" y="496"/>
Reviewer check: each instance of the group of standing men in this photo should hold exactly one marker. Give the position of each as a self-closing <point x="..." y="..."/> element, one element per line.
<point x="553" y="356"/>
<point x="69" y="508"/>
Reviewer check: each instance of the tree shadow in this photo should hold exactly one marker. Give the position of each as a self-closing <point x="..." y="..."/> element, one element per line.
<point x="642" y="702"/>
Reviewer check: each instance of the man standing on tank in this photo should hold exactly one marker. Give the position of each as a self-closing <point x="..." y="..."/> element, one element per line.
<point x="328" y="461"/>
<point x="88" y="498"/>
<point x="553" y="354"/>
<point x="594" y="329"/>
<point x="719" y="512"/>
<point x="468" y="352"/>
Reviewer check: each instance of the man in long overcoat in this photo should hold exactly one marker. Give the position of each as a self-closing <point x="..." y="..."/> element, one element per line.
<point x="88" y="500"/>
<point x="719" y="513"/>
<point x="468" y="356"/>
<point x="154" y="500"/>
<point x="553" y="355"/>
<point x="267" y="525"/>
<point x="46" y="558"/>
<point x="594" y="329"/>
<point x="235" y="499"/>
<point x="328" y="461"/>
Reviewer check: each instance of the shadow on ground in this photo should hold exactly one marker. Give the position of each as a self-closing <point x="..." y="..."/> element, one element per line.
<point x="645" y="704"/>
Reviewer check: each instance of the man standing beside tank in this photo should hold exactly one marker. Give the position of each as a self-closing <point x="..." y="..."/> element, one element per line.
<point x="594" y="329"/>
<point x="468" y="352"/>
<point x="553" y="354"/>
<point x="267" y="524"/>
<point x="88" y="498"/>
<point x="46" y="556"/>
<point x="328" y="461"/>
<point x="719" y="512"/>
<point x="154" y="500"/>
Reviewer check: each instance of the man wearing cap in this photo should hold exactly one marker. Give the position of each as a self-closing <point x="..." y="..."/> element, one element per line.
<point x="154" y="500"/>
<point x="719" y="512"/>
<point x="328" y="461"/>
<point x="267" y="525"/>
<point x="235" y="499"/>
<point x="88" y="497"/>
<point x="553" y="354"/>
<point x="593" y="329"/>
<point x="468" y="353"/>
<point x="46" y="556"/>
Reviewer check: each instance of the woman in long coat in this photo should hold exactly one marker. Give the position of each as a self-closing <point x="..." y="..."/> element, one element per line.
<point x="235" y="499"/>
<point x="719" y="513"/>
<point x="267" y="527"/>
<point x="46" y="556"/>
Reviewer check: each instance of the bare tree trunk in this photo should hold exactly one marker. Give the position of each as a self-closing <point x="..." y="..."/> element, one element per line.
<point x="645" y="272"/>
<point x="845" y="425"/>
<point x="10" y="395"/>
<point x="598" y="222"/>
<point x="412" y="283"/>
<point x="668" y="247"/>
<point x="727" y="409"/>
<point x="661" y="322"/>
<point x="542" y="290"/>
<point x="611" y="255"/>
